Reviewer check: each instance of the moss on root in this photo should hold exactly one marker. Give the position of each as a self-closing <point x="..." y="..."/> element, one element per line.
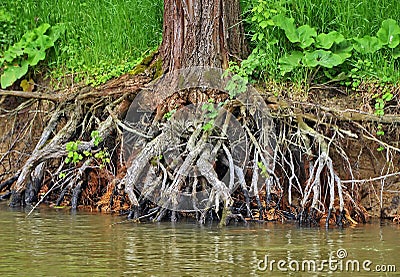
<point x="150" y="64"/>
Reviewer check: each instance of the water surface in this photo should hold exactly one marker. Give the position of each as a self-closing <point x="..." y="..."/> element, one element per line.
<point x="60" y="243"/>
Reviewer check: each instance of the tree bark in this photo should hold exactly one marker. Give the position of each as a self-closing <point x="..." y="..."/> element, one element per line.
<point x="201" y="33"/>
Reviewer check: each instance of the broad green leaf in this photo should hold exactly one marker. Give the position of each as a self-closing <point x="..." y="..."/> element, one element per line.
<point x="28" y="37"/>
<point x="12" y="53"/>
<point x="35" y="33"/>
<point x="312" y="59"/>
<point x="326" y="41"/>
<point x="265" y="23"/>
<point x="208" y="126"/>
<point x="12" y="74"/>
<point x="305" y="35"/>
<point x="323" y="58"/>
<point x="387" y="97"/>
<point x="44" y="42"/>
<point x="42" y="29"/>
<point x="396" y="53"/>
<point x="258" y="36"/>
<point x="331" y="60"/>
<point x="343" y="49"/>
<point x="290" y="62"/>
<point x="287" y="24"/>
<point x="71" y="146"/>
<point x="389" y="33"/>
<point x="35" y="55"/>
<point x="266" y="14"/>
<point x="367" y="44"/>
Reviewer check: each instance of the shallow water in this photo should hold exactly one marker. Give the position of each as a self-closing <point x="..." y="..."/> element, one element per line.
<point x="58" y="243"/>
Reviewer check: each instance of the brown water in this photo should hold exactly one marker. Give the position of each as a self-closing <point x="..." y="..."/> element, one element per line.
<point x="58" y="243"/>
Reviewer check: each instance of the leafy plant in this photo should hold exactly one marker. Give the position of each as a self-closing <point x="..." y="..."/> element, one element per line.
<point x="28" y="52"/>
<point x="380" y="148"/>
<point x="367" y="44"/>
<point x="322" y="58"/>
<point x="289" y="62"/>
<point x="380" y="102"/>
<point x="239" y="80"/>
<point x="156" y="159"/>
<point x="236" y="85"/>
<point x="389" y="33"/>
<point x="73" y="155"/>
<point x="263" y="168"/>
<point x="169" y="114"/>
<point x="361" y="70"/>
<point x="326" y="41"/>
<point x="95" y="135"/>
<point x="103" y="156"/>
<point x="275" y="33"/>
<point x="210" y="115"/>
<point x="380" y="131"/>
<point x="312" y="50"/>
<point x="262" y="17"/>
<point x="303" y="35"/>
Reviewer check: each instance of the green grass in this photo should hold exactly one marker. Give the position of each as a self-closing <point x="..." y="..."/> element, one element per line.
<point x="352" y="18"/>
<point x="106" y="38"/>
<point x="349" y="17"/>
<point x="99" y="34"/>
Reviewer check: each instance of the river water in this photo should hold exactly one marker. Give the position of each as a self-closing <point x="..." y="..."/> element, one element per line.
<point x="60" y="243"/>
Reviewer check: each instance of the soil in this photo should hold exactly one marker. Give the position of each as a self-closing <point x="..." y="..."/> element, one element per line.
<point x="381" y="197"/>
<point x="22" y="121"/>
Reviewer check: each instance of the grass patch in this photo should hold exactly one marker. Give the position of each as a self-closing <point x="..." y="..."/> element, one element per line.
<point x="102" y="38"/>
<point x="348" y="17"/>
<point x="351" y="18"/>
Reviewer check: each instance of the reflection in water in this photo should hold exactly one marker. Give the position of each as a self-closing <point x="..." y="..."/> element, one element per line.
<point x="57" y="243"/>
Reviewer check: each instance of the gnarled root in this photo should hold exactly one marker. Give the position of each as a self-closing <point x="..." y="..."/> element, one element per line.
<point x="231" y="161"/>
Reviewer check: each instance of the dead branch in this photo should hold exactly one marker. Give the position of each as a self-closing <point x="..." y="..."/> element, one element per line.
<point x="54" y="97"/>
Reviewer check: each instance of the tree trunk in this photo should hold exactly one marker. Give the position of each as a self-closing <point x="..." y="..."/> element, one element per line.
<point x="201" y="33"/>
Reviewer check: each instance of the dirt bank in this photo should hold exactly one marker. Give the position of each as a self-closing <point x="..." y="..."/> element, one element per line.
<point x="353" y="181"/>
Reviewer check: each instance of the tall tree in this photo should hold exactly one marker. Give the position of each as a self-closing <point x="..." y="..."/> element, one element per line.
<point x="201" y="33"/>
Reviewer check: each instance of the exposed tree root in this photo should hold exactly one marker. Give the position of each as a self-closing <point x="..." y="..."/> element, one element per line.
<point x="247" y="165"/>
